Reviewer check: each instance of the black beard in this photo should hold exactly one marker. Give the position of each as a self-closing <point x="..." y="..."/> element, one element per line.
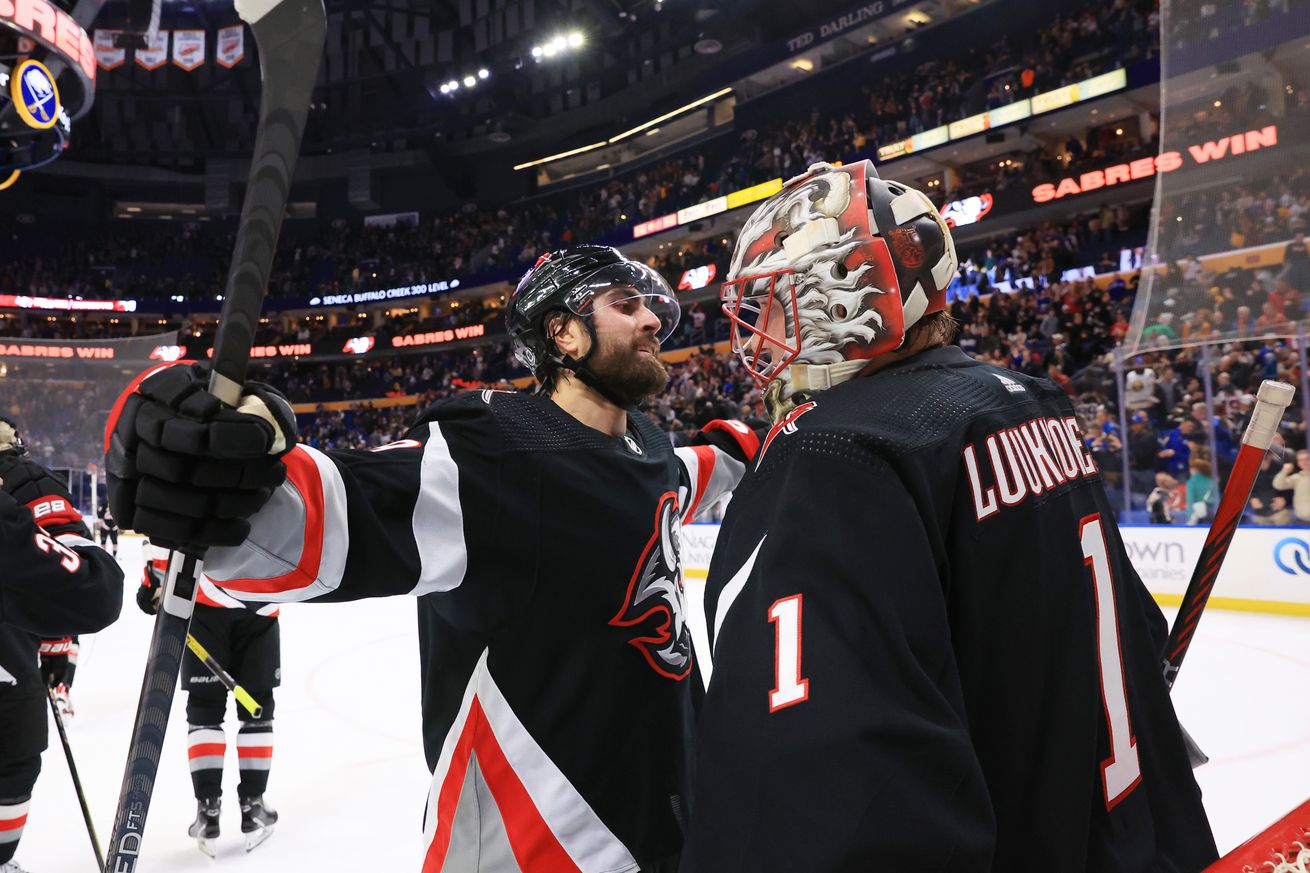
<point x="626" y="373"/>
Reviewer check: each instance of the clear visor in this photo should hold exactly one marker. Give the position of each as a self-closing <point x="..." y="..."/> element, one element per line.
<point x="633" y="289"/>
<point x="633" y="304"/>
<point x="762" y="310"/>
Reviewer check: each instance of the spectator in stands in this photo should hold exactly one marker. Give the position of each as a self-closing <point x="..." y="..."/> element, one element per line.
<point x="1143" y="451"/>
<point x="1159" y="501"/>
<point x="1176" y="449"/>
<point x="1200" y="491"/>
<point x="1296" y="478"/>
<point x="1269" y="506"/>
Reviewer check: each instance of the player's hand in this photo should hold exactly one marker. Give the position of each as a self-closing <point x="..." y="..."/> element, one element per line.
<point x="54" y="660"/>
<point x="53" y="669"/>
<point x="147" y="598"/>
<point x="188" y="471"/>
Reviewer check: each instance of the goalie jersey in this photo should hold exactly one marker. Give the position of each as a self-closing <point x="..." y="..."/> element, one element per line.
<point x="555" y="656"/>
<point x="930" y="651"/>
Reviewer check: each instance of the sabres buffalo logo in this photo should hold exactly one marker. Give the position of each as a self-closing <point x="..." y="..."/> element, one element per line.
<point x="654" y="604"/>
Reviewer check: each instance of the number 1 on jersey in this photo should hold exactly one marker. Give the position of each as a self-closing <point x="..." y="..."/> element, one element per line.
<point x="788" y="685"/>
<point x="1121" y="772"/>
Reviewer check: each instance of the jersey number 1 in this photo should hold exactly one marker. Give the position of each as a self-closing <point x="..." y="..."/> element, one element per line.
<point x="788" y="685"/>
<point x="1121" y="772"/>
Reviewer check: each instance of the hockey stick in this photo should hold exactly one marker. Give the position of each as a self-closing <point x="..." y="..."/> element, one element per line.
<point x="289" y="34"/>
<point x="1271" y="400"/>
<point x="77" y="782"/>
<point x="242" y="695"/>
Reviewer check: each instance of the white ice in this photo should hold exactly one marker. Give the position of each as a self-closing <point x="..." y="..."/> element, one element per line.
<point x="349" y="779"/>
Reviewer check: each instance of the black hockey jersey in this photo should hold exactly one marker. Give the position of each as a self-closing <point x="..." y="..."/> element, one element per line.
<point x="930" y="651"/>
<point x="544" y="555"/>
<point x="55" y="582"/>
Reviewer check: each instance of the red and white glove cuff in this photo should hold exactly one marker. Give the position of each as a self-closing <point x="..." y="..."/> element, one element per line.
<point x="55" y="647"/>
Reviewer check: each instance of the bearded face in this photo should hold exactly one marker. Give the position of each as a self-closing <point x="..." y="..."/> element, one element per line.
<point x="629" y="365"/>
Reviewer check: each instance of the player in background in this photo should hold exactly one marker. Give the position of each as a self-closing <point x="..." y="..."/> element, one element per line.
<point x="108" y="529"/>
<point x="247" y="642"/>
<point x="539" y="532"/>
<point x="930" y="651"/>
<point x="55" y="582"/>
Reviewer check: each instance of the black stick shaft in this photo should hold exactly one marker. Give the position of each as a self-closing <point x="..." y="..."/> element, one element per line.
<point x="77" y="781"/>
<point x="289" y="35"/>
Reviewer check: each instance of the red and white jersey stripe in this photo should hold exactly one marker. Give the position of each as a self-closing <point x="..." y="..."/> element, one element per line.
<point x="298" y="542"/>
<point x="536" y="815"/>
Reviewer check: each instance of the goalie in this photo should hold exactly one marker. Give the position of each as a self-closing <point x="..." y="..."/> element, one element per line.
<point x="930" y="651"/>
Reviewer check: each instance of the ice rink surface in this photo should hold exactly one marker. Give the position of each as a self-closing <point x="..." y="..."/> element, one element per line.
<point x="349" y="780"/>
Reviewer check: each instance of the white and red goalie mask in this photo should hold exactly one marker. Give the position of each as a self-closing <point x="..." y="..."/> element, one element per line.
<point x="831" y="272"/>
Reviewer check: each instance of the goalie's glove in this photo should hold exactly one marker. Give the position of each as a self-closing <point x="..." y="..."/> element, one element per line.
<point x="184" y="469"/>
<point x="734" y="437"/>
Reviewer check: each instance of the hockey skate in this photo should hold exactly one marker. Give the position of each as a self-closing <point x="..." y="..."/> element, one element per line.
<point x="257" y="821"/>
<point x="11" y="867"/>
<point x="205" y="827"/>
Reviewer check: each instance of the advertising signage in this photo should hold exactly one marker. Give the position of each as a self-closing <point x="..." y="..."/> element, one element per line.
<point x="839" y="24"/>
<point x="1087" y="89"/>
<point x="357" y="345"/>
<point x="1165" y="162"/>
<point x="65" y="304"/>
<point x="420" y="290"/>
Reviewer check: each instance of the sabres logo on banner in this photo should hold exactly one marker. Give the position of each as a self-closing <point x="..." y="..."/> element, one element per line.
<point x="35" y="95"/>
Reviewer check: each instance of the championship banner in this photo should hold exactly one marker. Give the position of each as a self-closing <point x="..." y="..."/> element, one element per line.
<point x="188" y="48"/>
<point x="231" y="46"/>
<point x="155" y="54"/>
<point x="107" y="56"/>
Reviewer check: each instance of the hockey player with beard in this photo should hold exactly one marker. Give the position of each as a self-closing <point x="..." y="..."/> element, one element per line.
<point x="930" y="651"/>
<point x="539" y="533"/>
<point x="55" y="582"/>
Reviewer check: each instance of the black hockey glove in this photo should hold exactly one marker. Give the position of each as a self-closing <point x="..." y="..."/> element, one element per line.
<point x="187" y="471"/>
<point x="147" y="594"/>
<point x="54" y="660"/>
<point x="733" y="437"/>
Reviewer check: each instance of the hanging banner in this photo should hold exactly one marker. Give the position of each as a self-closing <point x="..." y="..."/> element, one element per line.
<point x="107" y="56"/>
<point x="231" y="46"/>
<point x="155" y="54"/>
<point x="188" y="48"/>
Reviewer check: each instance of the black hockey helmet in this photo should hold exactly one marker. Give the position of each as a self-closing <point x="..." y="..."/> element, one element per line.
<point x="11" y="437"/>
<point x="568" y="281"/>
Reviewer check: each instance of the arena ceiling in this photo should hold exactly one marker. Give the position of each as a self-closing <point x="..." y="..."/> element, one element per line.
<point x="389" y="66"/>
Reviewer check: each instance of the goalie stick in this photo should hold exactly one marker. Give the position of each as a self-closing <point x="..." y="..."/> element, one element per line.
<point x="1271" y="400"/>
<point x="289" y="34"/>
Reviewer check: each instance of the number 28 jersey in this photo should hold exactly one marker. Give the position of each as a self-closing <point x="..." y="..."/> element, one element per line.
<point x="930" y="651"/>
